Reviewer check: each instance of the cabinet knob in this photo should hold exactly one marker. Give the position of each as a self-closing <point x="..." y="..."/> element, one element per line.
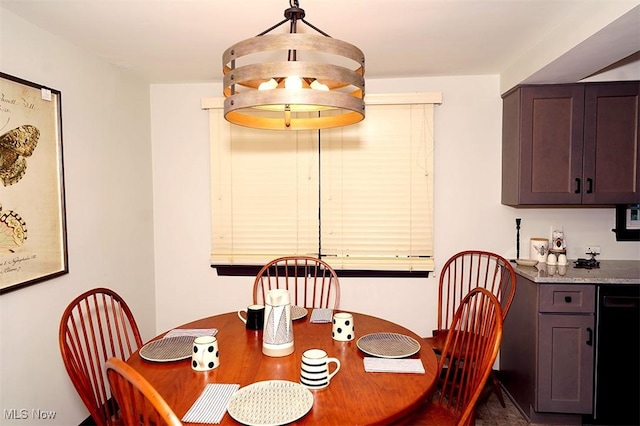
<point x="567" y="299"/>
<point x="577" y="191"/>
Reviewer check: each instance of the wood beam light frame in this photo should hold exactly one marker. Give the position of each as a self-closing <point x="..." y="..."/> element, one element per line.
<point x="330" y="87"/>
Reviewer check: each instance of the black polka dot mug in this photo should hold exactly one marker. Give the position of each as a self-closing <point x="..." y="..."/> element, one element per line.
<point x="343" y="328"/>
<point x="205" y="355"/>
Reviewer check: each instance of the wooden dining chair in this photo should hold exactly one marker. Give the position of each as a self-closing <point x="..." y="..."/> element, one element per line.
<point x="139" y="402"/>
<point x="462" y="273"/>
<point x="469" y="352"/>
<point x="312" y="283"/>
<point x="96" y="326"/>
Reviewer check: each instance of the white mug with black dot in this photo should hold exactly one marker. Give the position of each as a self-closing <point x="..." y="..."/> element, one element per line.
<point x="205" y="355"/>
<point x="343" y="328"/>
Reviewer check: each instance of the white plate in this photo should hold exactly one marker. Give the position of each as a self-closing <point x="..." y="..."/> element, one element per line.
<point x="298" y="312"/>
<point x="526" y="262"/>
<point x="273" y="402"/>
<point x="169" y="349"/>
<point x="388" y="345"/>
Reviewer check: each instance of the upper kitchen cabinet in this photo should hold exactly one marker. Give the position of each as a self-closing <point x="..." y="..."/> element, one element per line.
<point x="571" y="144"/>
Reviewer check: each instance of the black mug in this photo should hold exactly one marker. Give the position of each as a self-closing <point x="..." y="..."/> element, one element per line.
<point x="255" y="317"/>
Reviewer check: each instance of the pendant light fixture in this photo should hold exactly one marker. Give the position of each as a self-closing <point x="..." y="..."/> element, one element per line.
<point x="293" y="81"/>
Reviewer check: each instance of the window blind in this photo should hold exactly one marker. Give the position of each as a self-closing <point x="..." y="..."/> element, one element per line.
<point x="361" y="196"/>
<point x="264" y="196"/>
<point x="376" y="190"/>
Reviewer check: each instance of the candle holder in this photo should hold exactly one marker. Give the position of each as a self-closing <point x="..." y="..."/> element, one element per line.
<point x="518" y="221"/>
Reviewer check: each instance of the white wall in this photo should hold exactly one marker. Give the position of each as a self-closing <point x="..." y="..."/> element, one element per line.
<point x="468" y="213"/>
<point x="107" y="150"/>
<point x="589" y="40"/>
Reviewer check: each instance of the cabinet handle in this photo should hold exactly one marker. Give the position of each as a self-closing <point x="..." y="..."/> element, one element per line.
<point x="567" y="299"/>
<point x="589" y="186"/>
<point x="577" y="191"/>
<point x="590" y="339"/>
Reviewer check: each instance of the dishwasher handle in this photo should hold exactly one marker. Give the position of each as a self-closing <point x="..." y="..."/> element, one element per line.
<point x="621" y="302"/>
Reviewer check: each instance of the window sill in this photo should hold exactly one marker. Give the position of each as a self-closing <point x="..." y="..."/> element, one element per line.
<point x="252" y="271"/>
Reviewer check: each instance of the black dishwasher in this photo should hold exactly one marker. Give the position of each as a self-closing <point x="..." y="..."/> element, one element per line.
<point x="617" y="369"/>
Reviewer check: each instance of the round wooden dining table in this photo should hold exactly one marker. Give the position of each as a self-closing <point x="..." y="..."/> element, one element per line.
<point x="353" y="397"/>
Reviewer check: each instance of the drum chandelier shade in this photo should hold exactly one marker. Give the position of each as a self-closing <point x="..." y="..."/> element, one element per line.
<point x="321" y="89"/>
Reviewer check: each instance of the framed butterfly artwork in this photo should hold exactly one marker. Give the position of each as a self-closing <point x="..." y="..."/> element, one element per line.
<point x="33" y="237"/>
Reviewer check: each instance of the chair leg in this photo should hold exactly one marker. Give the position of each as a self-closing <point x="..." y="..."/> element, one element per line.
<point x="497" y="388"/>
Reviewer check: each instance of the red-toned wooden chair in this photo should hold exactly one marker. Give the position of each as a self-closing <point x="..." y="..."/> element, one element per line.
<point x="96" y="326"/>
<point x="470" y="349"/>
<point x="462" y="273"/>
<point x="139" y="402"/>
<point x="312" y="283"/>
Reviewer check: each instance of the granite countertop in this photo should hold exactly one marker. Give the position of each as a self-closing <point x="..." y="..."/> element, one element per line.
<point x="610" y="272"/>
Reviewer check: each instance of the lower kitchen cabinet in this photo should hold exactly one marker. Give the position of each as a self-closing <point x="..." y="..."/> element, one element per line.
<point x="565" y="363"/>
<point x="547" y="351"/>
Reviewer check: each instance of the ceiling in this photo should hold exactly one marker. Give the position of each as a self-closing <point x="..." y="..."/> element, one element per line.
<point x="178" y="41"/>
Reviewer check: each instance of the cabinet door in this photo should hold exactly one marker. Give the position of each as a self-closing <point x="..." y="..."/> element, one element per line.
<point x="542" y="145"/>
<point x="565" y="363"/>
<point x="612" y="144"/>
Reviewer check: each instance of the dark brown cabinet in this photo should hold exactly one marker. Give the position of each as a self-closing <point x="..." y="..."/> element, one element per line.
<point x="571" y="144"/>
<point x="547" y="350"/>
<point x="565" y="367"/>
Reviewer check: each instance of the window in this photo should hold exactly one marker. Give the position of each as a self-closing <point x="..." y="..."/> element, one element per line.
<point x="361" y="196"/>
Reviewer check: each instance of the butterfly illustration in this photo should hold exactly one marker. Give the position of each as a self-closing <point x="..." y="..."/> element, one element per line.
<point x="13" y="230"/>
<point x="15" y="145"/>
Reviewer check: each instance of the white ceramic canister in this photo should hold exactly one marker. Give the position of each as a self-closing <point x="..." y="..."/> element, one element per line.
<point x="539" y="249"/>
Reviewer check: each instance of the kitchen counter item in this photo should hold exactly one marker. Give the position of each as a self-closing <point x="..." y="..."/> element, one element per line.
<point x="586" y="263"/>
<point x="539" y="249"/>
<point x="526" y="262"/>
<point x="609" y="272"/>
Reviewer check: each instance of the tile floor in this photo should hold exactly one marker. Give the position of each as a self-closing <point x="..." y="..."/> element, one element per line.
<point x="491" y="413"/>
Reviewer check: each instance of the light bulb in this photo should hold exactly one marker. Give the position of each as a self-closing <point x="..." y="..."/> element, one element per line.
<point x="316" y="85"/>
<point x="293" y="82"/>
<point x="268" y="85"/>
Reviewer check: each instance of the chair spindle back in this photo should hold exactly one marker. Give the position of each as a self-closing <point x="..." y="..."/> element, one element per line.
<point x="312" y="283"/>
<point x="96" y="326"/>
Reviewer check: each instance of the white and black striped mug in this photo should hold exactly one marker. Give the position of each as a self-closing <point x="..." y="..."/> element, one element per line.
<point x="314" y="370"/>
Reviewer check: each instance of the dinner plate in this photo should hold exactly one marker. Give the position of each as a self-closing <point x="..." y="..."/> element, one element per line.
<point x="388" y="345"/>
<point x="168" y="349"/>
<point x="272" y="402"/>
<point x="298" y="312"/>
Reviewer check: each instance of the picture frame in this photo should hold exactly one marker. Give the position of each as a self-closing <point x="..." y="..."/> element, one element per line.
<point x="633" y="216"/>
<point x="627" y="222"/>
<point x="33" y="235"/>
